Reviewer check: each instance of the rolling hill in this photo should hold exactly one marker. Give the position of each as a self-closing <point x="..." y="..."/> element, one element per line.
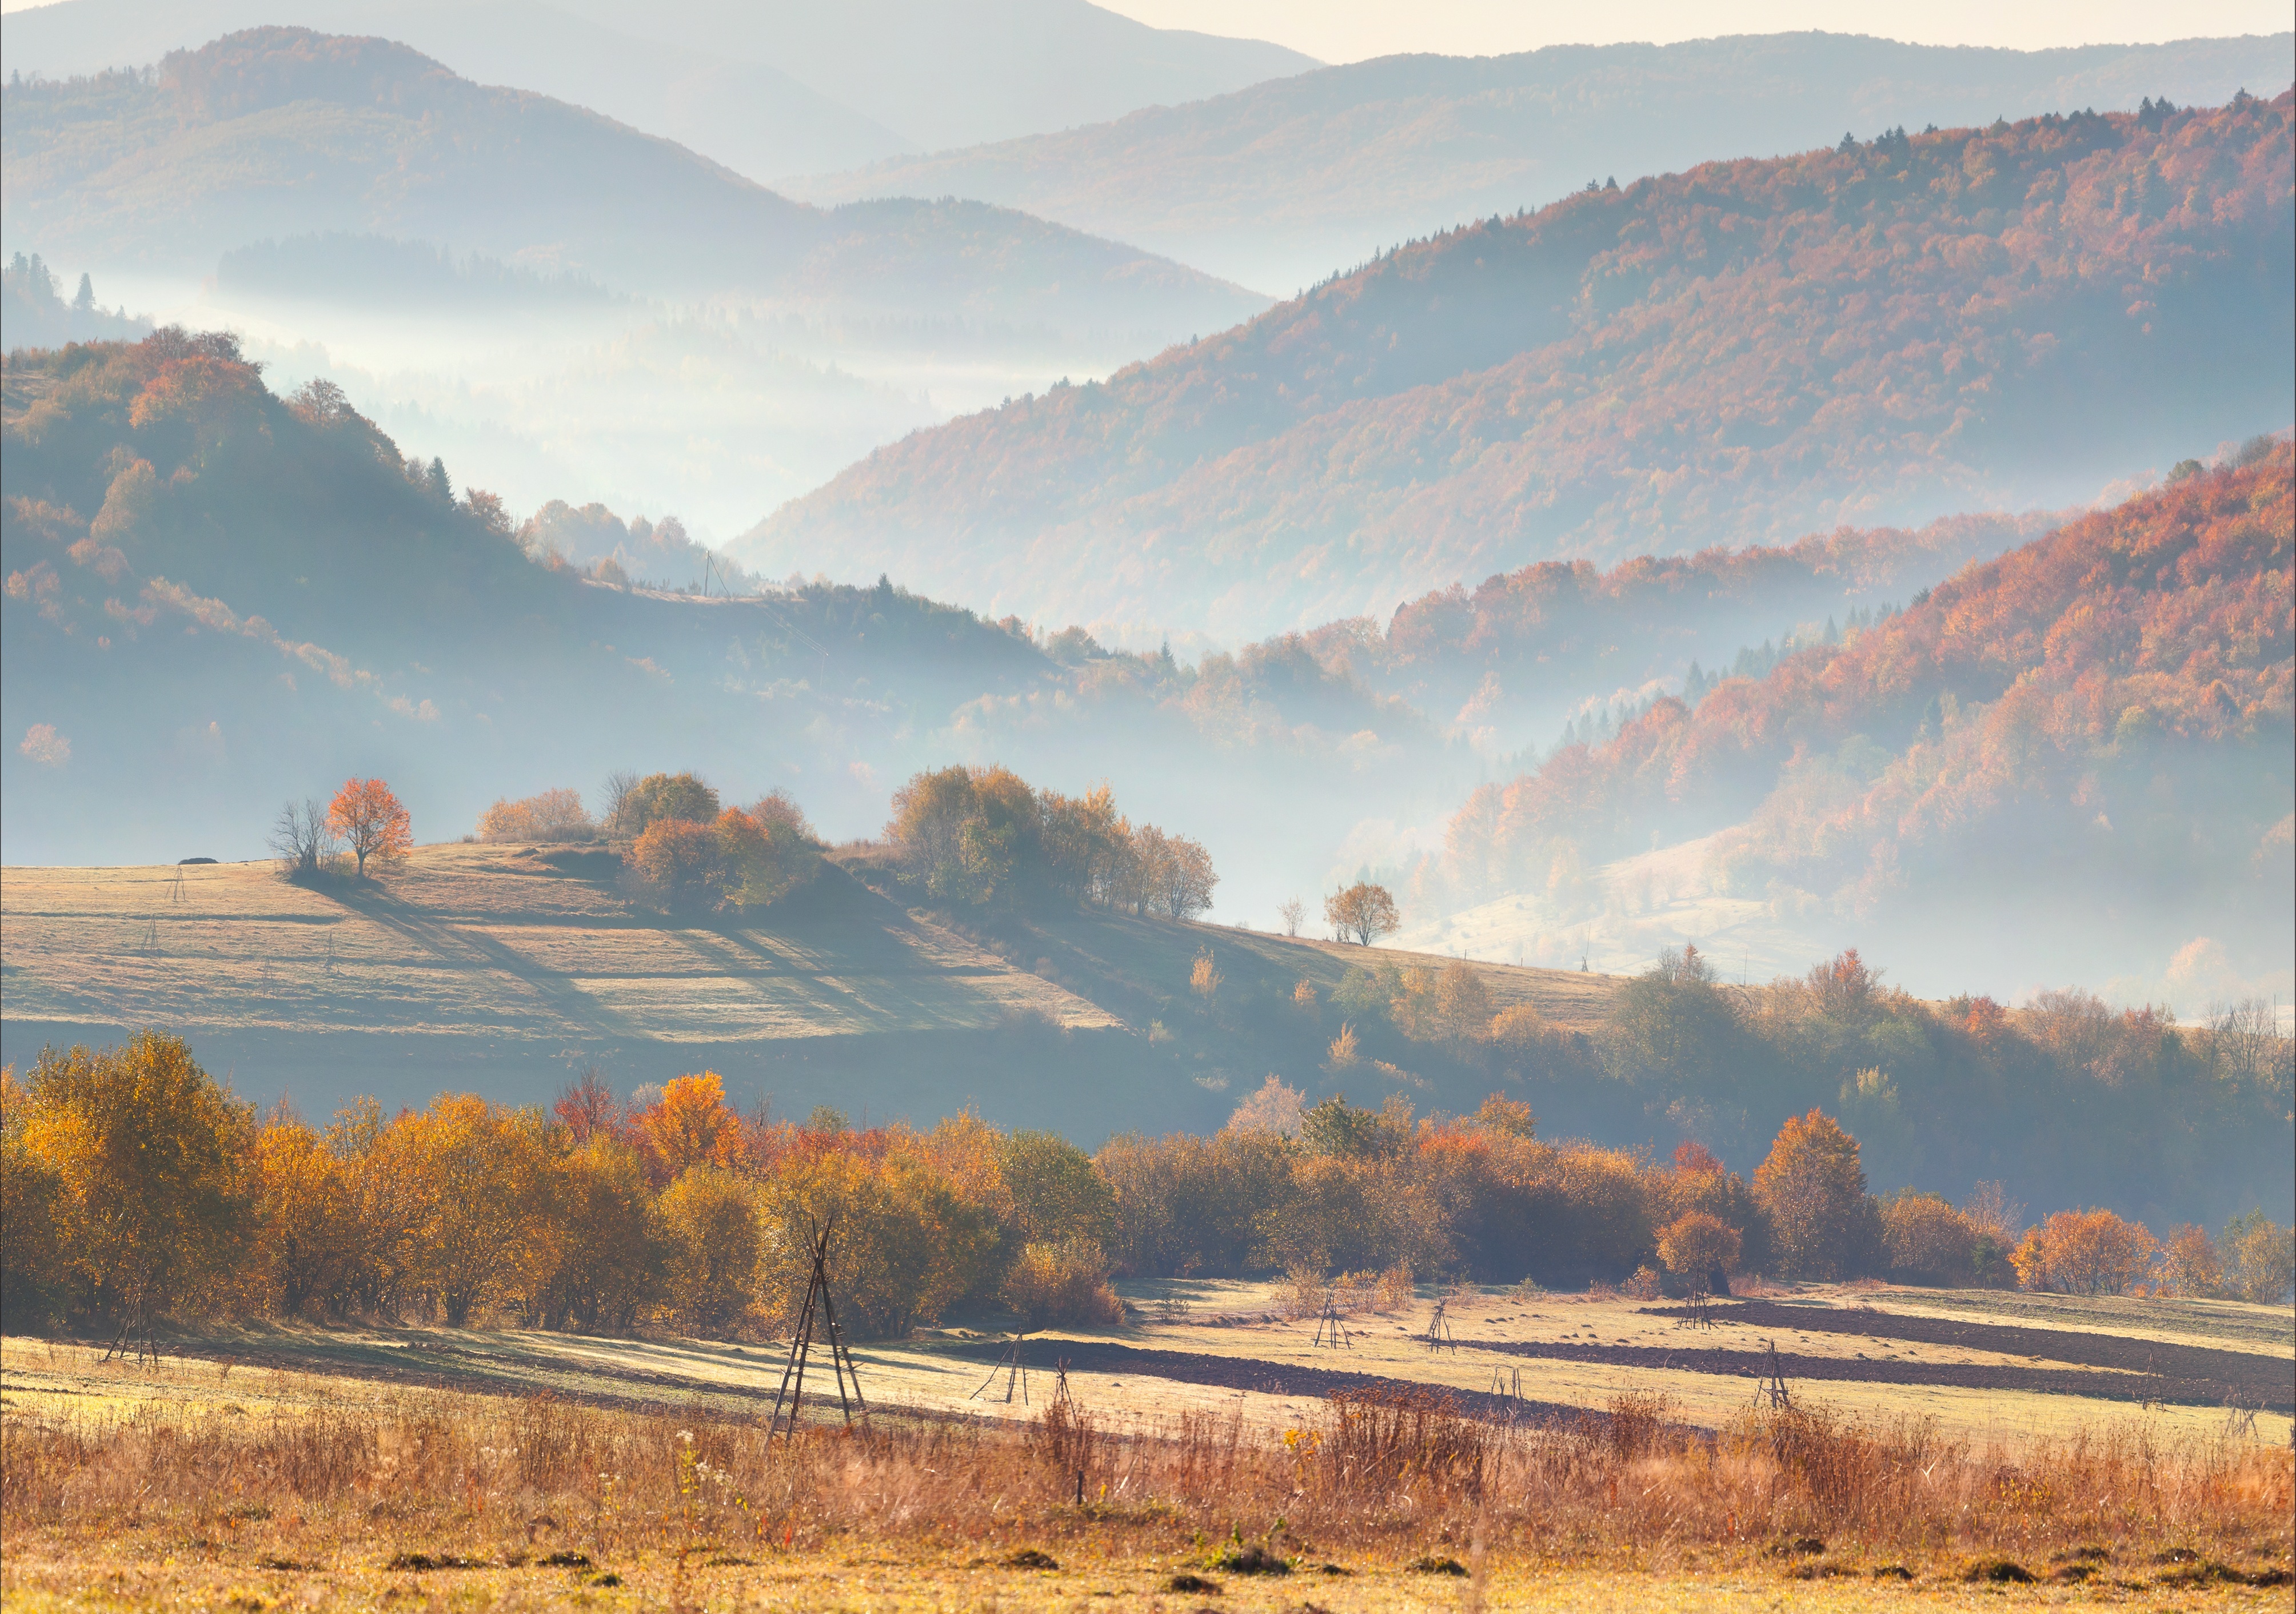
<point x="767" y="90"/>
<point x="1278" y="184"/>
<point x="277" y="133"/>
<point x="513" y="968"/>
<point x="2079" y="752"/>
<point x="1742" y="352"/>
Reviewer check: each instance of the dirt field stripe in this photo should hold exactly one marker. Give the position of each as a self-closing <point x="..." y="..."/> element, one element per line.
<point x="2080" y="1349"/>
<point x="2107" y="1384"/>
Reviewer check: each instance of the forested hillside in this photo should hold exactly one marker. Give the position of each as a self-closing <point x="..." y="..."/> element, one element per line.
<point x="1281" y="184"/>
<point x="264" y="594"/>
<point x="1520" y="653"/>
<point x="2091" y="731"/>
<point x="1891" y="330"/>
<point x="279" y="133"/>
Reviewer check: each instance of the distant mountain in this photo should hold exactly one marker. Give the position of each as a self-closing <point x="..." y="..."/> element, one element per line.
<point x="1882" y="331"/>
<point x="281" y="132"/>
<point x="768" y="90"/>
<point x="2079" y="752"/>
<point x="1279" y="185"/>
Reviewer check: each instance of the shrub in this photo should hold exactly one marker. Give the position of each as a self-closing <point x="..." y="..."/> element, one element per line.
<point x="1062" y="1285"/>
<point x="554" y="815"/>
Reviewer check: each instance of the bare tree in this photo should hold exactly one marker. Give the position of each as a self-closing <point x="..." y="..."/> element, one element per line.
<point x="301" y="841"/>
<point x="1292" y="911"/>
<point x="620" y="786"/>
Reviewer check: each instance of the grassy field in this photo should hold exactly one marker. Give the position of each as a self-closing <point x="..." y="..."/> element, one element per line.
<point x="325" y="1467"/>
<point x="511" y="968"/>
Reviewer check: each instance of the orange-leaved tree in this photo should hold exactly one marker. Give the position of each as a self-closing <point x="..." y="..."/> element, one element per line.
<point x="1813" y="1189"/>
<point x="690" y="1124"/>
<point x="2090" y="1252"/>
<point x="1365" y="912"/>
<point x="369" y="816"/>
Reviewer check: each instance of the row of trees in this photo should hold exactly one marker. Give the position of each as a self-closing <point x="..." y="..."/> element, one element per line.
<point x="135" y="1187"/>
<point x="977" y="836"/>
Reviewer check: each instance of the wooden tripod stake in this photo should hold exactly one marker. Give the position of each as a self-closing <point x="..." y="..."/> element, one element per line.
<point x="818" y="1312"/>
<point x="1329" y="1328"/>
<point x="1015" y="1371"/>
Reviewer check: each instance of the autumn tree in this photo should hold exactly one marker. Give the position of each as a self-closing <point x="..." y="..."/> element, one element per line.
<point x="690" y="1124"/>
<point x="154" y="1203"/>
<point x="480" y="1178"/>
<point x="1364" y="912"/>
<point x="1702" y="1251"/>
<point x="905" y="1245"/>
<point x="2259" y="1258"/>
<point x="2084" y="1252"/>
<point x="633" y="807"/>
<point x="2190" y="1264"/>
<point x="31" y="1258"/>
<point x="612" y="1252"/>
<point x="1812" y="1189"/>
<point x="710" y="1225"/>
<point x="1056" y="1193"/>
<point x="1924" y="1237"/>
<point x="311" y="1238"/>
<point x="371" y="821"/>
<point x="676" y="862"/>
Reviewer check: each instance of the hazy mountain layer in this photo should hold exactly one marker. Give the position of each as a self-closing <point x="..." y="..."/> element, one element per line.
<point x="766" y="89"/>
<point x="282" y="133"/>
<point x="1280" y="184"/>
<point x="1883" y="332"/>
<point x="261" y="596"/>
<point x="2084" y="746"/>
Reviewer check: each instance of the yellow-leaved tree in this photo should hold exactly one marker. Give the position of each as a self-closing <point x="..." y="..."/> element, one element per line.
<point x="153" y="1200"/>
<point x="481" y="1177"/>
<point x="711" y="1235"/>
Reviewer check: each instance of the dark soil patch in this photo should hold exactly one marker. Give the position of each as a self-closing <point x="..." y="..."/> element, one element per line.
<point x="2259" y="1380"/>
<point x="2107" y="1385"/>
<point x="1437" y="1566"/>
<point x="1265" y="1378"/>
<point x="1184" y="1582"/>
<point x="1031" y="1558"/>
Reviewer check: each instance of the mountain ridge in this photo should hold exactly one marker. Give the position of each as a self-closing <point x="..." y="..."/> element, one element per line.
<point x="1882" y="331"/>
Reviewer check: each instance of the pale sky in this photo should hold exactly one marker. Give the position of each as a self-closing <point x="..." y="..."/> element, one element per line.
<point x="1350" y="30"/>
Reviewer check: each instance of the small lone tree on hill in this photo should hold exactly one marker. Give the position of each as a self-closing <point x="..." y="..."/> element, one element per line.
<point x="1364" y="912"/>
<point x="369" y="816"/>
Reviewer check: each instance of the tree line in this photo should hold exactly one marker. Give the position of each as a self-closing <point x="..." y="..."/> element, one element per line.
<point x="137" y="1188"/>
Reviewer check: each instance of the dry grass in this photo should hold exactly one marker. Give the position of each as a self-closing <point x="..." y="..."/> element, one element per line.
<point x="166" y="1491"/>
<point x="480" y="942"/>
